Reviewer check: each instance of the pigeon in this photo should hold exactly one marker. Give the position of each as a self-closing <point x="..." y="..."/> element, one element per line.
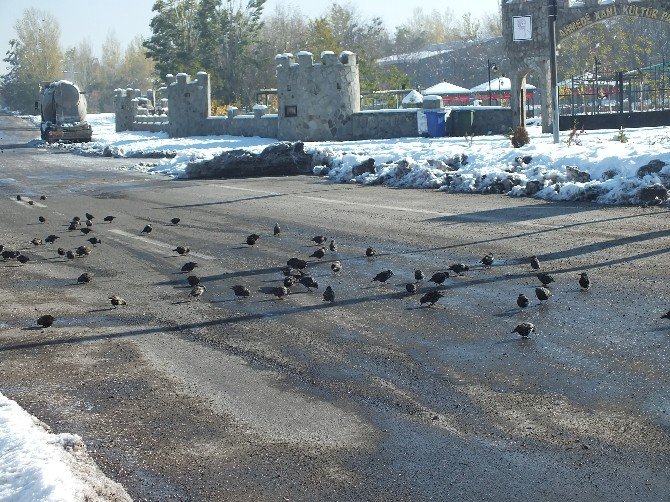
<point x="309" y="282"/>
<point x="147" y="229"/>
<point x="319" y="239"/>
<point x="43" y="197"/>
<point x="439" y="277"/>
<point x="524" y="329"/>
<point x="85" y="230"/>
<point x="73" y="226"/>
<point x="76" y="219"/>
<point x="329" y="295"/>
<point x="69" y="254"/>
<point x="336" y="266"/>
<point x="83" y="251"/>
<point x="545" y="279"/>
<point x="542" y="294"/>
<point x="10" y="255"/>
<point x="289" y="281"/>
<point x="51" y="238"/>
<point x="459" y="268"/>
<point x="522" y="301"/>
<point x="319" y="253"/>
<point x="240" y="291"/>
<point x="189" y="266"/>
<point x="487" y="260"/>
<point x="332" y="246"/>
<point x="61" y="251"/>
<point x="31" y="202"/>
<point x="94" y="240"/>
<point x="197" y="290"/>
<point x="46" y="320"/>
<point x="418" y="275"/>
<point x="666" y="315"/>
<point x="277" y="229"/>
<point x="89" y="216"/>
<point x="22" y="259"/>
<point x="41" y="219"/>
<point x="431" y="297"/>
<point x="175" y="221"/>
<point x="251" y="239"/>
<point x="117" y="300"/>
<point x="383" y="276"/>
<point x="18" y="197"/>
<point x="36" y="242"/>
<point x="297" y="263"/>
<point x="182" y="250"/>
<point x="411" y="288"/>
<point x="534" y="262"/>
<point x="89" y="223"/>
<point x="584" y="281"/>
<point x="2" y="248"/>
<point x="108" y="219"/>
<point x="193" y="280"/>
<point x="370" y="252"/>
<point x="280" y="291"/>
<point x="84" y="278"/>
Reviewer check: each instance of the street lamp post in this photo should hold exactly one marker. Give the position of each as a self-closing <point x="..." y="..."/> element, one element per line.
<point x="595" y="86"/>
<point x="494" y="67"/>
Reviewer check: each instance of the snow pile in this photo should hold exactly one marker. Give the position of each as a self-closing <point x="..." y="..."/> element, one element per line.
<point x="38" y="465"/>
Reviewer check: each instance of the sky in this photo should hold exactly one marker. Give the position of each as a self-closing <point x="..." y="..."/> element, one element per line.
<point x="93" y="20"/>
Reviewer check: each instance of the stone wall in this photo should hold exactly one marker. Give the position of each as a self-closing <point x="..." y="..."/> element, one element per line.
<point x="383" y="124"/>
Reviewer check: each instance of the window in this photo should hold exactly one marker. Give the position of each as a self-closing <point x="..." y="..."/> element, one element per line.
<point x="290" y="111"/>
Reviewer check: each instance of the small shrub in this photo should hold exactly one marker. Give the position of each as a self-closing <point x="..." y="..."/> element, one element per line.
<point x="519" y="137"/>
<point x="573" y="136"/>
<point x="621" y="135"/>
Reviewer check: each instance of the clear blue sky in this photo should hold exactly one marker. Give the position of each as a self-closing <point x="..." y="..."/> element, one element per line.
<point x="94" y="19"/>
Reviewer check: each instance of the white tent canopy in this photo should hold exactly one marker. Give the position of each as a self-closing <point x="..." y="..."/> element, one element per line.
<point x="412" y="98"/>
<point x="501" y="83"/>
<point x="445" y="88"/>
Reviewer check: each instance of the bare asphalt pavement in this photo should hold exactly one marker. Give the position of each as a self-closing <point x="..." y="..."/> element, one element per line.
<point x="371" y="397"/>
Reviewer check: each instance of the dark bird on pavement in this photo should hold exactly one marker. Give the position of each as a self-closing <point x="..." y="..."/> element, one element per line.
<point x="109" y="219"/>
<point x="193" y="280"/>
<point x="319" y="253"/>
<point x="41" y="219"/>
<point x="85" y="230"/>
<point x="94" y="240"/>
<point x="18" y="197"/>
<point x="418" y="275"/>
<point x="117" y="300"/>
<point x="319" y="239"/>
<point x="370" y="252"/>
<point x="411" y="288"/>
<point x="189" y="266"/>
<point x="666" y="315"/>
<point x="197" y="290"/>
<point x="329" y="295"/>
<point x="431" y="297"/>
<point x="175" y="221"/>
<point x="22" y="259"/>
<point x="279" y="292"/>
<point x="332" y="246"/>
<point x="83" y="251"/>
<point x="297" y="263"/>
<point x="43" y="197"/>
<point x="36" y="242"/>
<point x="309" y="282"/>
<point x="545" y="279"/>
<point x="289" y="281"/>
<point x="89" y="216"/>
<point x="147" y="229"/>
<point x="10" y="255"/>
<point x="76" y="219"/>
<point x="277" y="229"/>
<point x="182" y="250"/>
<point x="534" y="262"/>
<point x="336" y="266"/>
<point x="61" y="251"/>
<point x="439" y="277"/>
<point x="487" y="260"/>
<point x="51" y="238"/>
<point x="46" y="320"/>
<point x="459" y="268"/>
<point x="522" y="301"/>
<point x="383" y="276"/>
<point x="543" y="294"/>
<point x="89" y="223"/>
<point x="584" y="281"/>
<point x="31" y="202"/>
<point x="287" y="270"/>
<point x="2" y="248"/>
<point x="69" y="254"/>
<point x="251" y="239"/>
<point x="84" y="278"/>
<point x="524" y="329"/>
<point x="73" y="226"/>
<point x="241" y="291"/>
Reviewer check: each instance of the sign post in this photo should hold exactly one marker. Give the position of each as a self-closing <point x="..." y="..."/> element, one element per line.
<point x="553" y="12"/>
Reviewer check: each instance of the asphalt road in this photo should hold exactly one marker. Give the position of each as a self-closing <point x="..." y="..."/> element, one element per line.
<point x="368" y="398"/>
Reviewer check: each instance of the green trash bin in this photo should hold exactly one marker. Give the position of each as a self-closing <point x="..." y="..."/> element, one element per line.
<point x="463" y="121"/>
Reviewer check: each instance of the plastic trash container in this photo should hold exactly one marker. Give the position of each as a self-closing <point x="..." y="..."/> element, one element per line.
<point x="463" y="121"/>
<point x="436" y="123"/>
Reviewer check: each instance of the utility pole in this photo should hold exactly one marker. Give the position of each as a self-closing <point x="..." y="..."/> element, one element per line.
<point x="553" y="13"/>
<point x="494" y="67"/>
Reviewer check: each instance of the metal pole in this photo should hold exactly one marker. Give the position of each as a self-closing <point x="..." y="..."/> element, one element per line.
<point x="595" y="86"/>
<point x="553" y="12"/>
<point x="488" y="62"/>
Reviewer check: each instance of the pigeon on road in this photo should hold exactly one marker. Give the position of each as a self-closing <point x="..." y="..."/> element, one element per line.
<point x="524" y="329"/>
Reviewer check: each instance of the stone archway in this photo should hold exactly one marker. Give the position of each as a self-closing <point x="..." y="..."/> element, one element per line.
<point x="527" y="43"/>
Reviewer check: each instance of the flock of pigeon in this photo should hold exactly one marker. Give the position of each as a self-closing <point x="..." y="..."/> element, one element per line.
<point x="294" y="272"/>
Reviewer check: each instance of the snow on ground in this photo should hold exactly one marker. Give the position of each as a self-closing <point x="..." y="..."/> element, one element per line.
<point x="36" y="465"/>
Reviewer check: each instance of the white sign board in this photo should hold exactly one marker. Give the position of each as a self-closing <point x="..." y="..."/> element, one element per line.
<point x="523" y="27"/>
